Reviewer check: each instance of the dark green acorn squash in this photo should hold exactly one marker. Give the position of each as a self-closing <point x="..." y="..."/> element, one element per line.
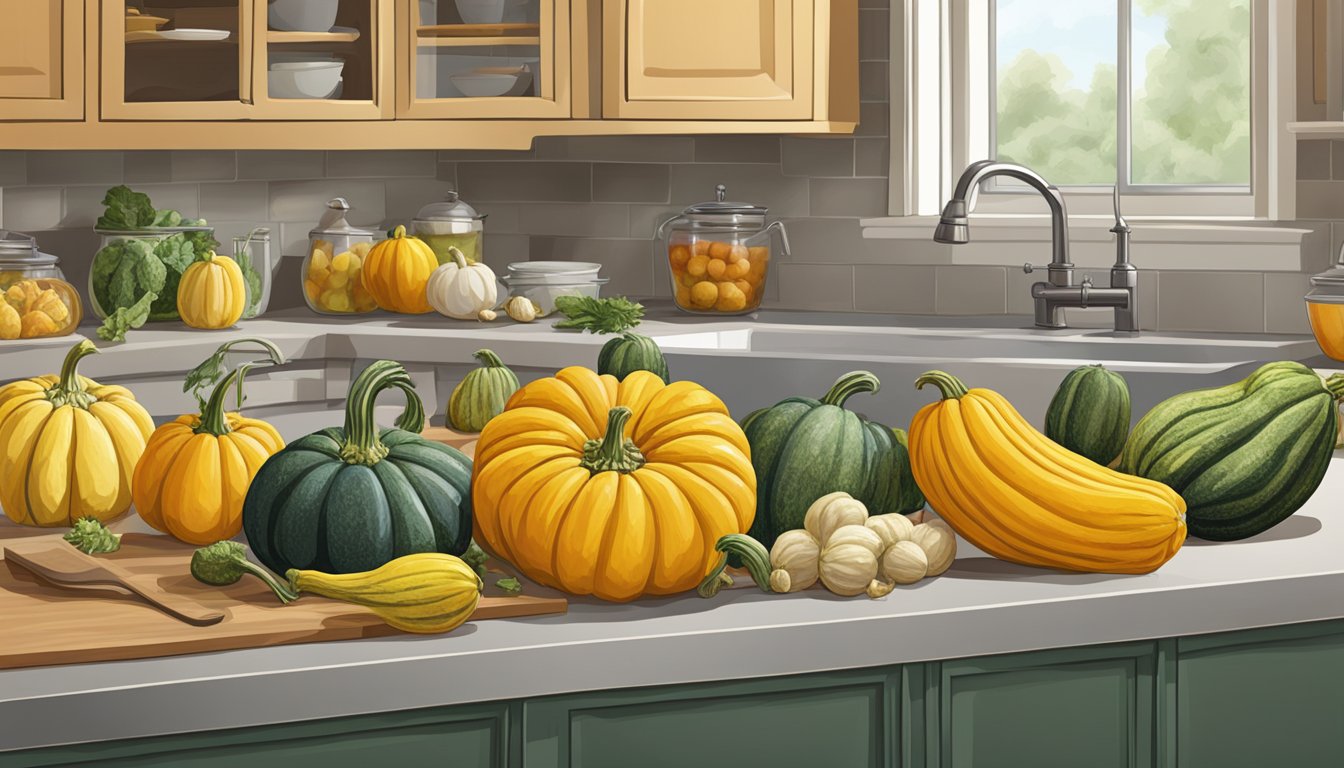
<point x="803" y="449"/>
<point x="1245" y="456"/>
<point x="632" y="352"/>
<point x="1089" y="414"/>
<point x="347" y="500"/>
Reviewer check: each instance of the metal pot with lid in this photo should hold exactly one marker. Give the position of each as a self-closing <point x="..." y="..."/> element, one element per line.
<point x="719" y="253"/>
<point x="451" y="223"/>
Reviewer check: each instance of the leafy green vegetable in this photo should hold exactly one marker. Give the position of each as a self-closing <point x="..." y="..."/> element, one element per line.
<point x="475" y="557"/>
<point x="204" y="376"/>
<point x="225" y="562"/>
<point x="116" y="325"/>
<point x="167" y="218"/>
<point x="126" y="209"/>
<point x="611" y="315"/>
<point x="511" y="586"/>
<point x="91" y="537"/>
<point x="175" y="253"/>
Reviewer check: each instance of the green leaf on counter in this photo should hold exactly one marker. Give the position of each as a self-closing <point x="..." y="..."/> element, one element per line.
<point x="91" y="537"/>
<point x="475" y="557"/>
<point x="511" y="586"/>
<point x="611" y="315"/>
<point x="116" y="325"/>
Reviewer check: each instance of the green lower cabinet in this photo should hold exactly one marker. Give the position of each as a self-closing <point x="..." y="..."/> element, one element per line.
<point x="1272" y="697"/>
<point x="837" y="720"/>
<point x="1089" y="707"/>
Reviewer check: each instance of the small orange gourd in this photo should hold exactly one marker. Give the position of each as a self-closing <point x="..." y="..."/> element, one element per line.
<point x="612" y="488"/>
<point x="195" y="471"/>
<point x="396" y="273"/>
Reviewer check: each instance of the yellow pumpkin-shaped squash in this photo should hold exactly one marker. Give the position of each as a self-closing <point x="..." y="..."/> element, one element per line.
<point x="212" y="293"/>
<point x="68" y="446"/>
<point x="195" y="472"/>
<point x="612" y="488"/>
<point x="396" y="273"/>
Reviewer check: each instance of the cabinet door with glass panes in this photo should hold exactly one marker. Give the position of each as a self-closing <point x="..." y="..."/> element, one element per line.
<point x="483" y="59"/>
<point x="185" y="60"/>
<point x="42" y="60"/>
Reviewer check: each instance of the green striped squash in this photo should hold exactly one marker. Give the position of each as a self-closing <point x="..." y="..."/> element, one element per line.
<point x="1244" y="456"/>
<point x="349" y="499"/>
<point x="1089" y="413"/>
<point x="482" y="393"/>
<point x="803" y="449"/>
<point x="632" y="352"/>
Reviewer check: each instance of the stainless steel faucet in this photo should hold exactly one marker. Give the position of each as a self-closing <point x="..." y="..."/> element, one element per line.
<point x="1059" y="290"/>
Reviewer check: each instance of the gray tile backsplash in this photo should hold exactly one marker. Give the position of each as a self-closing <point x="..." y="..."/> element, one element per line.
<point x="600" y="198"/>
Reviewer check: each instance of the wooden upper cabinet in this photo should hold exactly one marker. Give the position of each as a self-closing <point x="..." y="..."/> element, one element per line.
<point x="209" y="60"/>
<point x="483" y="59"/>
<point x="42" y="60"/>
<point x="708" y="59"/>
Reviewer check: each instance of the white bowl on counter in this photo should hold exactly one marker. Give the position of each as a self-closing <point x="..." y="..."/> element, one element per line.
<point x="553" y="271"/>
<point x="316" y="78"/>
<point x="302" y="15"/>
<point x="545" y="293"/>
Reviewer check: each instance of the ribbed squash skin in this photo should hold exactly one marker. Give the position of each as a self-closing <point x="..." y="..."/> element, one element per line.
<point x="1089" y="413"/>
<point x="482" y="393"/>
<point x="212" y="293"/>
<point x="345" y="500"/>
<point x="1244" y="456"/>
<point x="68" y="446"/>
<point x="423" y="593"/>
<point x="803" y="449"/>
<point x="632" y="352"/>
<point x="396" y="273"/>
<point x="1022" y="497"/>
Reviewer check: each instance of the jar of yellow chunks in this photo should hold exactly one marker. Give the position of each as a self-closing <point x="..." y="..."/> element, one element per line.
<point x="35" y="299"/>
<point x="333" y="269"/>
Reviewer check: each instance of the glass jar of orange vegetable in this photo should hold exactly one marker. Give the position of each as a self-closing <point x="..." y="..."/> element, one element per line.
<point x="333" y="281"/>
<point x="35" y="299"/>
<point x="718" y="253"/>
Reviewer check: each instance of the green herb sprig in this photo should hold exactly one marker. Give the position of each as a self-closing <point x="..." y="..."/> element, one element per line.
<point x="204" y="376"/>
<point x="91" y="537"/>
<point x="611" y="315"/>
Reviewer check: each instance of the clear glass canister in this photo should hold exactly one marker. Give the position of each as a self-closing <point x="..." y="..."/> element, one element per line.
<point x="448" y="224"/>
<point x="114" y="282"/>
<point x="253" y="254"/>
<point x="35" y="299"/>
<point x="1325" y="309"/>
<point x="333" y="269"/>
<point x="718" y="253"/>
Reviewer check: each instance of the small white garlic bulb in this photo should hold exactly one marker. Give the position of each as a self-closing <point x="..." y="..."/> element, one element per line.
<point x="487" y="315"/>
<point x="831" y="512"/>
<point x="891" y="527"/>
<point x="847" y="569"/>
<point x="793" y="560"/>
<point x="522" y="309"/>
<point x="905" y="562"/>
<point x="857" y="534"/>
<point x="939" y="544"/>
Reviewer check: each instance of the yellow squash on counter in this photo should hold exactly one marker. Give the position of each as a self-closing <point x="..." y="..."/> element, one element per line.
<point x="212" y="293"/>
<point x="1019" y="496"/>
<point x="68" y="446"/>
<point x="425" y="593"/>
<point x="195" y="471"/>
<point x="397" y="270"/>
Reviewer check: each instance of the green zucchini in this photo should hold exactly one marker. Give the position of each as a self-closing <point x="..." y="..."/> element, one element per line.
<point x="1089" y="413"/>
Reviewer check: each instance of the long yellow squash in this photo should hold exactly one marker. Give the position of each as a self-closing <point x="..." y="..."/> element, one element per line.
<point x="68" y="446"/>
<point x="1019" y="496"/>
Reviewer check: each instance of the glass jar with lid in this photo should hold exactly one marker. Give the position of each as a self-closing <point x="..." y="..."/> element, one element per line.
<point x="451" y="223"/>
<point x="718" y="253"/>
<point x="1325" y="308"/>
<point x="120" y="249"/>
<point x="252" y="251"/>
<point x="35" y="299"/>
<point x="333" y="269"/>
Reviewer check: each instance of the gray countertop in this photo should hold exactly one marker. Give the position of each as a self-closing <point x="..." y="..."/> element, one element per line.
<point x="1292" y="573"/>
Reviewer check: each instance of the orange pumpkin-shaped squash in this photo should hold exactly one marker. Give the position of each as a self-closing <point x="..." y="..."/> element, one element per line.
<point x="612" y="488"/>
<point x="396" y="273"/>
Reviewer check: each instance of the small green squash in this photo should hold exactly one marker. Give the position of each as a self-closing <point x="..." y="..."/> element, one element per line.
<point x="1089" y="413"/>
<point x="632" y="352"/>
<point x="482" y="393"/>
<point x="1244" y="456"/>
<point x="347" y="500"/>
<point x="803" y="449"/>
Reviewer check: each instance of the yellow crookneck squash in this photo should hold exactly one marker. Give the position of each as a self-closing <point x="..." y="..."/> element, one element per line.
<point x="195" y="472"/>
<point x="612" y="488"/>
<point x="212" y="293"/>
<point x="1020" y="496"/>
<point x="68" y="446"/>
<point x="396" y="273"/>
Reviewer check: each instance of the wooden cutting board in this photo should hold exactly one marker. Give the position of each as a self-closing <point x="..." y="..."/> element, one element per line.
<point x="41" y="624"/>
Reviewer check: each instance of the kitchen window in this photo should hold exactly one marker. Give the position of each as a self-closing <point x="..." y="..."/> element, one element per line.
<point x="1175" y="101"/>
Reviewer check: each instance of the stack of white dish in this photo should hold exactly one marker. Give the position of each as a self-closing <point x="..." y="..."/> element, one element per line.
<point x="302" y="15"/>
<point x="543" y="281"/>
<point x="304" y="76"/>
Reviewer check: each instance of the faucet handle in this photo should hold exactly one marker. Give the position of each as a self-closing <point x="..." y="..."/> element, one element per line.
<point x="1028" y="268"/>
<point x="1087" y="280"/>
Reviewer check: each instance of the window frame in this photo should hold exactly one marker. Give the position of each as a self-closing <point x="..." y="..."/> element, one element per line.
<point x="940" y="121"/>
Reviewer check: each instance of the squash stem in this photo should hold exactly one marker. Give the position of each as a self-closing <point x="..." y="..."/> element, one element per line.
<point x="459" y="258"/>
<point x="1335" y="385"/>
<point x="488" y="359"/>
<point x="754" y="558"/>
<point x="949" y="385"/>
<point x="69" y="389"/>
<point x="212" y="415"/>
<point x="851" y="383"/>
<point x="362" y="445"/>
<point x="613" y="453"/>
<point x="281" y="590"/>
<point x="412" y="419"/>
